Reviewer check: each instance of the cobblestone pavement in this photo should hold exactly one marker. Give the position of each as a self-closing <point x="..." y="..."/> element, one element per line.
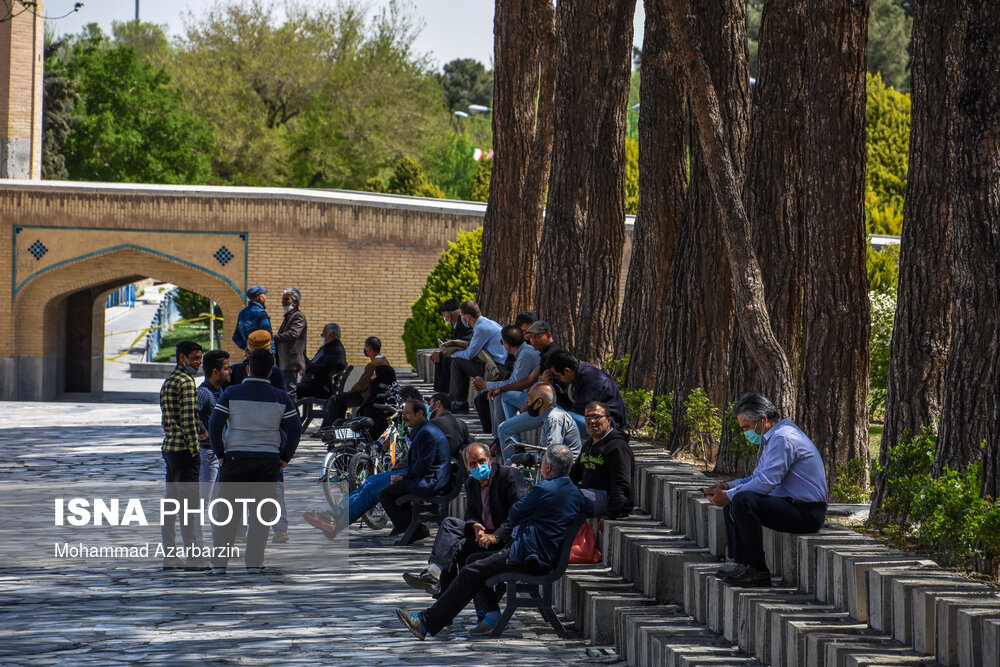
<point x="341" y="612"/>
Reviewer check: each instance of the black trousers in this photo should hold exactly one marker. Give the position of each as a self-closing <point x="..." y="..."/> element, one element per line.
<point x="182" y="485"/>
<point x="483" y="410"/>
<point x="462" y="370"/>
<point x="442" y="374"/>
<point x="471" y="585"/>
<point x="246" y="478"/>
<point x="399" y="514"/>
<point x="750" y="512"/>
<point x="454" y="543"/>
<point x="337" y="406"/>
<point x="311" y="387"/>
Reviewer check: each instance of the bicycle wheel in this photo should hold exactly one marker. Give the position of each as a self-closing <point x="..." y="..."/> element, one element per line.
<point x="361" y="467"/>
<point x="335" y="478"/>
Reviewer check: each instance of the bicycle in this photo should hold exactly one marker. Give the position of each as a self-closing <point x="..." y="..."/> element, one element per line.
<point x="528" y="463"/>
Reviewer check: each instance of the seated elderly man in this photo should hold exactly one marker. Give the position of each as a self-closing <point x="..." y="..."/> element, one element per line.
<point x="540" y="521"/>
<point x="329" y="360"/>
<point x="460" y="331"/>
<point x="605" y="469"/>
<point x="490" y="492"/>
<point x="786" y="492"/>
<point x="558" y="427"/>
<point x="466" y="364"/>
<point x="427" y="474"/>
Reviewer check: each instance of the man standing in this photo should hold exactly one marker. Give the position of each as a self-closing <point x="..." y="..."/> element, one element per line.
<point x="182" y="433"/>
<point x="291" y="338"/>
<point x="786" y="492"/>
<point x="558" y="427"/>
<point x="215" y="363"/>
<point x="329" y="361"/>
<point x="605" y="468"/>
<point x="456" y="430"/>
<point x="253" y="317"/>
<point x="459" y="331"/>
<point x="540" y="522"/>
<point x="465" y="365"/>
<point x="526" y="360"/>
<point x="251" y="454"/>
<point x="337" y="406"/>
<point x="490" y="492"/>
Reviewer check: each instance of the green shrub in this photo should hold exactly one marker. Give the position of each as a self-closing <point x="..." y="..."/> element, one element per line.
<point x="631" y="176"/>
<point x="638" y="404"/>
<point x="887" y="126"/>
<point x="883" y="317"/>
<point x="703" y="419"/>
<point x="408" y="178"/>
<point x="851" y="482"/>
<point x="455" y="276"/>
<point x="740" y="447"/>
<point x="480" y="190"/>
<point x="616" y="368"/>
<point x="661" y="418"/>
<point x="883" y="268"/>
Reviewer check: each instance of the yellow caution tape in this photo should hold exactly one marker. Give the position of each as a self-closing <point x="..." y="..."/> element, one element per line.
<point x="143" y="332"/>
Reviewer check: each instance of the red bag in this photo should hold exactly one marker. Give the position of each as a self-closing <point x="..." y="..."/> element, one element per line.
<point x="585" y="546"/>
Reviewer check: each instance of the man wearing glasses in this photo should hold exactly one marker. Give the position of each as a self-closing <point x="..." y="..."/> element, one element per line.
<point x="605" y="468"/>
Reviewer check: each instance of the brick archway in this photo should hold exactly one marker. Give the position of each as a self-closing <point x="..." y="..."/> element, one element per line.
<point x="59" y="340"/>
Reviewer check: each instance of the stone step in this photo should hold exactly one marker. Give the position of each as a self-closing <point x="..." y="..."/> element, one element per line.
<point x="991" y="642"/>
<point x="628" y="620"/>
<point x="600" y="610"/>
<point x="904" y="600"/>
<point x="972" y="624"/>
<point x="947" y="636"/>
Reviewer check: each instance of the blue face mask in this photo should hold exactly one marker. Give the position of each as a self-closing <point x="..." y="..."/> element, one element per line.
<point x="753" y="436"/>
<point x="481" y="473"/>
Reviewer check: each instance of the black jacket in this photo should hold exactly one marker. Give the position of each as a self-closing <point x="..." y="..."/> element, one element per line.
<point x="506" y="488"/>
<point x="461" y="331"/>
<point x="456" y="430"/>
<point x="608" y="465"/>
<point x="329" y="359"/>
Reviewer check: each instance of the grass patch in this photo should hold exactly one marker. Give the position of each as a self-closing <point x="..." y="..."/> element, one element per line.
<point x="196" y="331"/>
<point x="875" y="439"/>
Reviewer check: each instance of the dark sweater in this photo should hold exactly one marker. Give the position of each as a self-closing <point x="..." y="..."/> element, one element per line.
<point x="608" y="465"/>
<point x="456" y="430"/>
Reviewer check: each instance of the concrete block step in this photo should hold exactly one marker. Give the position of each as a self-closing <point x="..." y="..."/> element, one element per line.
<point x="904" y="600"/>
<point x="876" y="651"/>
<point x="991" y="642"/>
<point x="566" y="590"/>
<point x="628" y="621"/>
<point x="684" y="642"/>
<point x="579" y="587"/>
<point x="825" y="567"/>
<point x="947" y="636"/>
<point x="972" y="625"/>
<point x="599" y="613"/>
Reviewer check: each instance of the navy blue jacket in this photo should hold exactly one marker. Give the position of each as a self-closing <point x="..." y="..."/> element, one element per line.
<point x="262" y="422"/>
<point x="250" y="319"/>
<point x="542" y="518"/>
<point x="593" y="384"/>
<point x="240" y="373"/>
<point x="429" y="469"/>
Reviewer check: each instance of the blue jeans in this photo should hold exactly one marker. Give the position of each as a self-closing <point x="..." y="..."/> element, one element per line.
<point x="280" y="495"/>
<point x="516" y="424"/>
<point x="206" y="481"/>
<point x="365" y="496"/>
<point x="512" y="402"/>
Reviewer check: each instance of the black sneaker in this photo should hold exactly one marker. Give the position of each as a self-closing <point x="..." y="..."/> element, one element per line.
<point x="460" y="407"/>
<point x="424" y="581"/>
<point x="728" y="570"/>
<point x="749" y="577"/>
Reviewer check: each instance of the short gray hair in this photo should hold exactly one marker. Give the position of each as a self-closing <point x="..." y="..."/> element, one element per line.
<point x="333" y="328"/>
<point x="546" y="390"/>
<point x="754" y="405"/>
<point x="560" y="458"/>
<point x="475" y="445"/>
<point x="296" y="294"/>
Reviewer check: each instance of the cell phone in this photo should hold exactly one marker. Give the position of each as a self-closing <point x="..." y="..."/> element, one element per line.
<point x="440" y="342"/>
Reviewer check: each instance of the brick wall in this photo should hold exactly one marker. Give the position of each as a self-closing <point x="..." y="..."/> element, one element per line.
<point x="21" y="73"/>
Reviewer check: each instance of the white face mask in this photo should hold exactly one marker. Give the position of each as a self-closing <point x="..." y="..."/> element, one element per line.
<point x="288" y="309"/>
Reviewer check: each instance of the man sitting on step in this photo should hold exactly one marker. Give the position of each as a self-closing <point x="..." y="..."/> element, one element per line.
<point x="490" y="492"/>
<point x="787" y="491"/>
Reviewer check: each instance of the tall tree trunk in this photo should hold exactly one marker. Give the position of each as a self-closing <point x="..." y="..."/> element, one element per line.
<point x="772" y="198"/>
<point x="662" y="184"/>
<point x="522" y="34"/>
<point x="833" y="392"/>
<point x="971" y="413"/>
<point x="698" y="317"/>
<point x="922" y="330"/>
<point x="604" y="232"/>
<point x="594" y="45"/>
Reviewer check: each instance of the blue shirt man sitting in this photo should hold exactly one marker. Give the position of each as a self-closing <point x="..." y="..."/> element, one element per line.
<point x="541" y="520"/>
<point x="786" y="492"/>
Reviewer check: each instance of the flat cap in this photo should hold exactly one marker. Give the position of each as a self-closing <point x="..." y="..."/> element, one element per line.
<point x="259" y="339"/>
<point x="448" y="306"/>
<point x="539" y="326"/>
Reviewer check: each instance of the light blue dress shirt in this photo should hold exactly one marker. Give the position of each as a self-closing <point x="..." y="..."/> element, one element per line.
<point x="485" y="335"/>
<point x="527" y="360"/>
<point x="790" y="467"/>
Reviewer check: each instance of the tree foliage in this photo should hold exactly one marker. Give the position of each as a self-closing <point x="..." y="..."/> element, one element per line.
<point x="887" y="119"/>
<point x="889" y="36"/>
<point x="455" y="276"/>
<point x="466" y="81"/>
<point x="480" y="189"/>
<point x="115" y="118"/>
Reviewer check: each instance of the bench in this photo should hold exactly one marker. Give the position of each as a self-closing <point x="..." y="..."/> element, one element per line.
<point x="534" y="590"/>
<point x="307" y="404"/>
<point x="432" y="508"/>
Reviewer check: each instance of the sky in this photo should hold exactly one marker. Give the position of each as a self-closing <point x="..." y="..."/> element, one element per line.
<point x="452" y="28"/>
